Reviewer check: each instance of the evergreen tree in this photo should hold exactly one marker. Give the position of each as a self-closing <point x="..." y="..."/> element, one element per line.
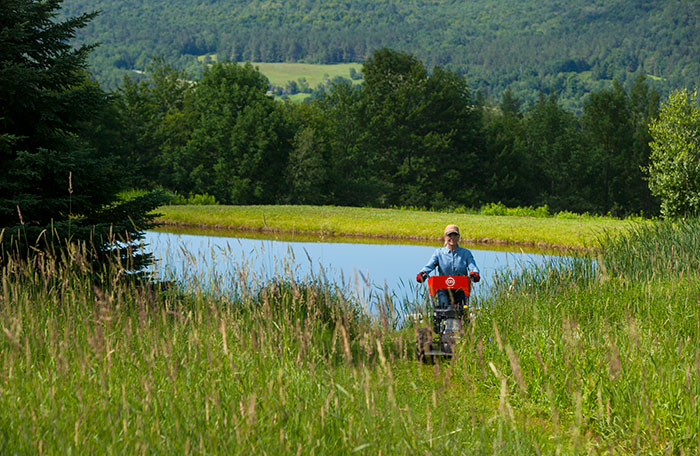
<point x="607" y="122"/>
<point x="644" y="103"/>
<point x="507" y="171"/>
<point x="307" y="171"/>
<point x="352" y="176"/>
<point x="552" y="138"/>
<point x="616" y="134"/>
<point x="55" y="186"/>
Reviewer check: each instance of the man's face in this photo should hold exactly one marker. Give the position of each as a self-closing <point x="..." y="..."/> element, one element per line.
<point x="452" y="240"/>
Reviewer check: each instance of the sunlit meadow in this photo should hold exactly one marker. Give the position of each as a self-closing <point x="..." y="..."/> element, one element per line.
<point x="585" y="355"/>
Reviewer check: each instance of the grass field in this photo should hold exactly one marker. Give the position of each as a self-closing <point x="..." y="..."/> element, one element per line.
<point x="562" y="359"/>
<point x="280" y="73"/>
<point x="576" y="233"/>
<point x="298" y="97"/>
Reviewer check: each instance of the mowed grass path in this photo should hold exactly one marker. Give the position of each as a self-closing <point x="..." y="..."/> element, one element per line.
<point x="574" y="233"/>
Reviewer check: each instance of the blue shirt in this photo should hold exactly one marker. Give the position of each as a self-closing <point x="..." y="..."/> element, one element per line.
<point x="457" y="262"/>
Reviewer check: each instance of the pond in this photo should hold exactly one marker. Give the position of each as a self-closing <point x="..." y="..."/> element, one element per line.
<point x="370" y="269"/>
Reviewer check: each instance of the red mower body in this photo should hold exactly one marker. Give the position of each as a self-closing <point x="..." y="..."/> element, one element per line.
<point x="436" y="283"/>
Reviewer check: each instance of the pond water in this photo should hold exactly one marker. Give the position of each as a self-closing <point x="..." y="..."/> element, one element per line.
<point x="368" y="268"/>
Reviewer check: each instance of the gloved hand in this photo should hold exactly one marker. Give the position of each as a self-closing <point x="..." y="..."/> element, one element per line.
<point x="474" y="276"/>
<point x="420" y="278"/>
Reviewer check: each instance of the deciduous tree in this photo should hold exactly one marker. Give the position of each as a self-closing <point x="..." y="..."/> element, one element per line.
<point x="422" y="130"/>
<point x="240" y="138"/>
<point x="674" y="171"/>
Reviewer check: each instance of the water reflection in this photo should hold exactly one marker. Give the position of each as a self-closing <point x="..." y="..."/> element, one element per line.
<point x="302" y="237"/>
<point x="369" y="270"/>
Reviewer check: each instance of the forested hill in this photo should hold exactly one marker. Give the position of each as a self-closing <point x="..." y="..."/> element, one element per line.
<point x="571" y="46"/>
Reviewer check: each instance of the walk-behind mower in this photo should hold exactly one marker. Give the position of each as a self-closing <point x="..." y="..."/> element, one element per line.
<point x="450" y="314"/>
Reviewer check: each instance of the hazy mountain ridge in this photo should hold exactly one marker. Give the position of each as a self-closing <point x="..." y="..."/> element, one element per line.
<point x="528" y="45"/>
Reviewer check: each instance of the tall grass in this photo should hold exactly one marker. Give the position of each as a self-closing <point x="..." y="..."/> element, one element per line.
<point x="284" y="368"/>
<point x="614" y="354"/>
<point x="559" y="360"/>
<point x="661" y="250"/>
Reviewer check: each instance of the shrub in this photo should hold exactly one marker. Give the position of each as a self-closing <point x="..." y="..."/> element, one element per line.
<point x="195" y="199"/>
<point x="501" y="209"/>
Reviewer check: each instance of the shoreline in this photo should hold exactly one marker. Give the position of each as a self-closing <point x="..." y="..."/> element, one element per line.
<point x="570" y="234"/>
<point x="350" y="235"/>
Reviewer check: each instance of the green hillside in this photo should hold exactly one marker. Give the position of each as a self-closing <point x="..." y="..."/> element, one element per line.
<point x="569" y="46"/>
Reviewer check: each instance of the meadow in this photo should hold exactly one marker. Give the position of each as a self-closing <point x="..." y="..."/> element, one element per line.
<point x="566" y="358"/>
<point x="573" y="232"/>
<point x="280" y="73"/>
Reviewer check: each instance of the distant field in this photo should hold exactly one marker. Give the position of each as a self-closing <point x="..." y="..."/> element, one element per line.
<point x="281" y="73"/>
<point x="298" y="97"/>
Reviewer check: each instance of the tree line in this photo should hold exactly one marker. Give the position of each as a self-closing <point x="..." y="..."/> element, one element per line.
<point x="407" y="136"/>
